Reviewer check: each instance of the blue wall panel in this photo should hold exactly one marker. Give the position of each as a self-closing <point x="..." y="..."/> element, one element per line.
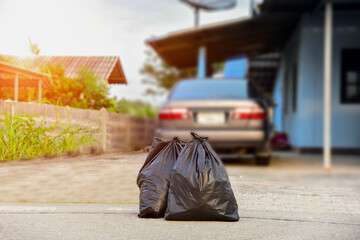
<point x="236" y="67"/>
<point x="305" y="126"/>
<point x="345" y="117"/>
<point x="285" y="118"/>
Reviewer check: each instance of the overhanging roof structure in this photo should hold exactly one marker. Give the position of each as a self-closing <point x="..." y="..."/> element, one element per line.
<point x="252" y="36"/>
<point x="262" y="34"/>
<point x="262" y="38"/>
<point x="27" y="77"/>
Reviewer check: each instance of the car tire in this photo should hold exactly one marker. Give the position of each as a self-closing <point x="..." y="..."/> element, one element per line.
<point x="263" y="161"/>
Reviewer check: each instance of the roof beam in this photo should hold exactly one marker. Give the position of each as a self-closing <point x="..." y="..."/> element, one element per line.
<point x="9" y="68"/>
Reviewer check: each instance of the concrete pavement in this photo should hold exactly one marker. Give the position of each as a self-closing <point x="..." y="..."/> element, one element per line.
<point x="96" y="221"/>
<point x="293" y="198"/>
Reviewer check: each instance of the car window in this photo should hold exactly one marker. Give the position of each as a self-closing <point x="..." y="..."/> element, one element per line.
<point x="210" y="89"/>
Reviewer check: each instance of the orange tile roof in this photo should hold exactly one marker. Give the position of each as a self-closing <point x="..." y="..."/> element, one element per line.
<point x="105" y="67"/>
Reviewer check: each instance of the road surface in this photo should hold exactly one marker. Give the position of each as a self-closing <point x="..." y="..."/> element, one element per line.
<point x="95" y="197"/>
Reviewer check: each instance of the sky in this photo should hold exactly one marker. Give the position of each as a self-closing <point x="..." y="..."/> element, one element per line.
<point x="100" y="28"/>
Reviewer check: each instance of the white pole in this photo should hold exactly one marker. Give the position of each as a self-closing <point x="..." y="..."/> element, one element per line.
<point x="197" y="17"/>
<point x="327" y="85"/>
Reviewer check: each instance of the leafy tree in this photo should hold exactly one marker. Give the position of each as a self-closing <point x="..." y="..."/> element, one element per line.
<point x="136" y="108"/>
<point x="86" y="91"/>
<point x="159" y="75"/>
<point x="63" y="90"/>
<point x="219" y="66"/>
<point x="95" y="90"/>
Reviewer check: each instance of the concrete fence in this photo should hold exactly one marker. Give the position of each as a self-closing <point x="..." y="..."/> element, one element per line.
<point x="115" y="131"/>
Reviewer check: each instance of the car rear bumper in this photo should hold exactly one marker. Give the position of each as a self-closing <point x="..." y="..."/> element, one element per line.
<point x="220" y="138"/>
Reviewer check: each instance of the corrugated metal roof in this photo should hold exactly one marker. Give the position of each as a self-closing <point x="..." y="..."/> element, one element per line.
<point x="105" y="67"/>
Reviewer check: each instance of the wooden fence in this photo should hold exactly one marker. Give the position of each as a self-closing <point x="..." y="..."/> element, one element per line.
<point x="115" y="131"/>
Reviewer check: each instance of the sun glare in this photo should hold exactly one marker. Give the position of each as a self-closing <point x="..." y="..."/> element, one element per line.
<point x="58" y="27"/>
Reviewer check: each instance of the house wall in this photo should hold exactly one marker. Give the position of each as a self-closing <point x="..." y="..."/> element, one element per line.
<point x="285" y="118"/>
<point x="305" y="126"/>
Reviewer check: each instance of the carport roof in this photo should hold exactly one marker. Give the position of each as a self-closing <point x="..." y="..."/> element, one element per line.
<point x="265" y="33"/>
<point x="262" y="34"/>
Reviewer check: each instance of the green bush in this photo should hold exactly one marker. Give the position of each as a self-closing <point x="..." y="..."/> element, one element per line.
<point x="86" y="91"/>
<point x="22" y="138"/>
<point x="137" y="109"/>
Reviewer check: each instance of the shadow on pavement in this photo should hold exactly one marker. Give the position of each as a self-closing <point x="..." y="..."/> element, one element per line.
<point x="230" y="159"/>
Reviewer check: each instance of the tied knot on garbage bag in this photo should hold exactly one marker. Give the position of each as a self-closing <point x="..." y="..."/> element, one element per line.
<point x="201" y="139"/>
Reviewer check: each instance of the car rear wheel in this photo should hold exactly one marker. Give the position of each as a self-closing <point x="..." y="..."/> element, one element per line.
<point x="263" y="161"/>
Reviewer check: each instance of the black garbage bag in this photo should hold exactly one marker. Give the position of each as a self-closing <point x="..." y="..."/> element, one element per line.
<point x="153" y="178"/>
<point x="200" y="189"/>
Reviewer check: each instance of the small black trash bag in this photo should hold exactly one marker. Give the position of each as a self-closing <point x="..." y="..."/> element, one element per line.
<point x="153" y="178"/>
<point x="200" y="189"/>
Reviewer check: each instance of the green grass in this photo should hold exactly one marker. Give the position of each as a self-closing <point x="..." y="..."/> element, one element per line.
<point x="22" y="138"/>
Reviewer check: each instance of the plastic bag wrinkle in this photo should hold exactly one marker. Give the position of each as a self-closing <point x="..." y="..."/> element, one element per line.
<point x="153" y="178"/>
<point x="199" y="186"/>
